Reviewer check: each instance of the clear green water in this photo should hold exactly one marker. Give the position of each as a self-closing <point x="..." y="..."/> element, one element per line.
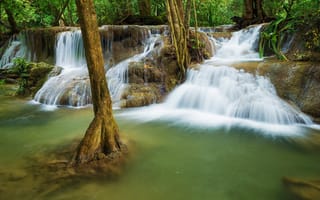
<point x="169" y="162"/>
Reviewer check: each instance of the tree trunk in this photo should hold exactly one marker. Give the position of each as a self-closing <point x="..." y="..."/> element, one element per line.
<point x="248" y="9"/>
<point x="59" y="16"/>
<point x="187" y="16"/>
<point x="253" y="9"/>
<point x="178" y="34"/>
<point x="144" y="7"/>
<point x="260" y="12"/>
<point x="12" y="21"/>
<point x="102" y="136"/>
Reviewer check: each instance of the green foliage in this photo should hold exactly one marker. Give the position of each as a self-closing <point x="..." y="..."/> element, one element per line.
<point x="43" y="13"/>
<point x="290" y="14"/>
<point x="37" y="13"/>
<point x="272" y="36"/>
<point x="216" y="12"/>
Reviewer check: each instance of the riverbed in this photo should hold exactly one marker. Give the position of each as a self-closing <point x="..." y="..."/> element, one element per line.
<point x="168" y="160"/>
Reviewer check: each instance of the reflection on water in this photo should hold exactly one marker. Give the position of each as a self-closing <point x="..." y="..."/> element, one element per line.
<point x="170" y="161"/>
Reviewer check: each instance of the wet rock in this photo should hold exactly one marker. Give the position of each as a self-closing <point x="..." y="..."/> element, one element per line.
<point x="140" y="72"/>
<point x="55" y="71"/>
<point x="304" y="45"/>
<point x="41" y="41"/>
<point x="218" y="35"/>
<point x="201" y="50"/>
<point x="122" y="42"/>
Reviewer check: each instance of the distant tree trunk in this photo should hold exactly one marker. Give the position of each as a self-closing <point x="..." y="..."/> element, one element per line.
<point x="248" y="9"/>
<point x="178" y="34"/>
<point x="144" y="7"/>
<point x="260" y="12"/>
<point x="102" y="135"/>
<point x="253" y="13"/>
<point x="12" y="21"/>
<point x="253" y="9"/>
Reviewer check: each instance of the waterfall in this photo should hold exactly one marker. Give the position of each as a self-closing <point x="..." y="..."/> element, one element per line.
<point x="69" y="50"/>
<point x="223" y="90"/>
<point x="219" y="89"/>
<point x="241" y="46"/>
<point x="216" y="94"/>
<point x="72" y="86"/>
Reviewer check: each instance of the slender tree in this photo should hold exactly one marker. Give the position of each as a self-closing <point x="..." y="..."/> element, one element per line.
<point x="102" y="135"/>
<point x="178" y="33"/>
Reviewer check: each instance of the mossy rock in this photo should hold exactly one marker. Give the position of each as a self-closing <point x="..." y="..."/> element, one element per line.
<point x="137" y="95"/>
<point x="38" y="76"/>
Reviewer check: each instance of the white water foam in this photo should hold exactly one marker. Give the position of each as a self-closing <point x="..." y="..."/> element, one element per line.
<point x="241" y="46"/>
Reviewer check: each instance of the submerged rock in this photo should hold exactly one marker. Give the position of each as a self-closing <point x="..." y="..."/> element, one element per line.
<point x="303" y="189"/>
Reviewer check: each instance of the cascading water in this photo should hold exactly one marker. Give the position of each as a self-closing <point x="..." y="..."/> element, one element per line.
<point x="240" y="47"/>
<point x="117" y="76"/>
<point x="216" y="94"/>
<point x="72" y="86"/>
<point x="226" y="91"/>
<point x="69" y="50"/>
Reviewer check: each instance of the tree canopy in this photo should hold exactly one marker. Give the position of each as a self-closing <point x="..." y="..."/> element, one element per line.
<point x="19" y="14"/>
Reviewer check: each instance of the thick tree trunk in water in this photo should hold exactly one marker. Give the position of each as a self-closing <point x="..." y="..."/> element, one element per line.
<point x="102" y="136"/>
<point x="178" y="34"/>
<point x="144" y="7"/>
<point x="12" y="21"/>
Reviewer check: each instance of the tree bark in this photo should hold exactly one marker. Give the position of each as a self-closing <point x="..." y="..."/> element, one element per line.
<point x="253" y="9"/>
<point x="12" y="21"/>
<point x="144" y="7"/>
<point x="248" y="9"/>
<point x="59" y="16"/>
<point x="187" y="16"/>
<point x="260" y="12"/>
<point x="102" y="136"/>
<point x="178" y="34"/>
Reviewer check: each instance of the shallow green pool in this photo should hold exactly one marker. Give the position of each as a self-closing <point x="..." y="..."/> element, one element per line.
<point x="169" y="161"/>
